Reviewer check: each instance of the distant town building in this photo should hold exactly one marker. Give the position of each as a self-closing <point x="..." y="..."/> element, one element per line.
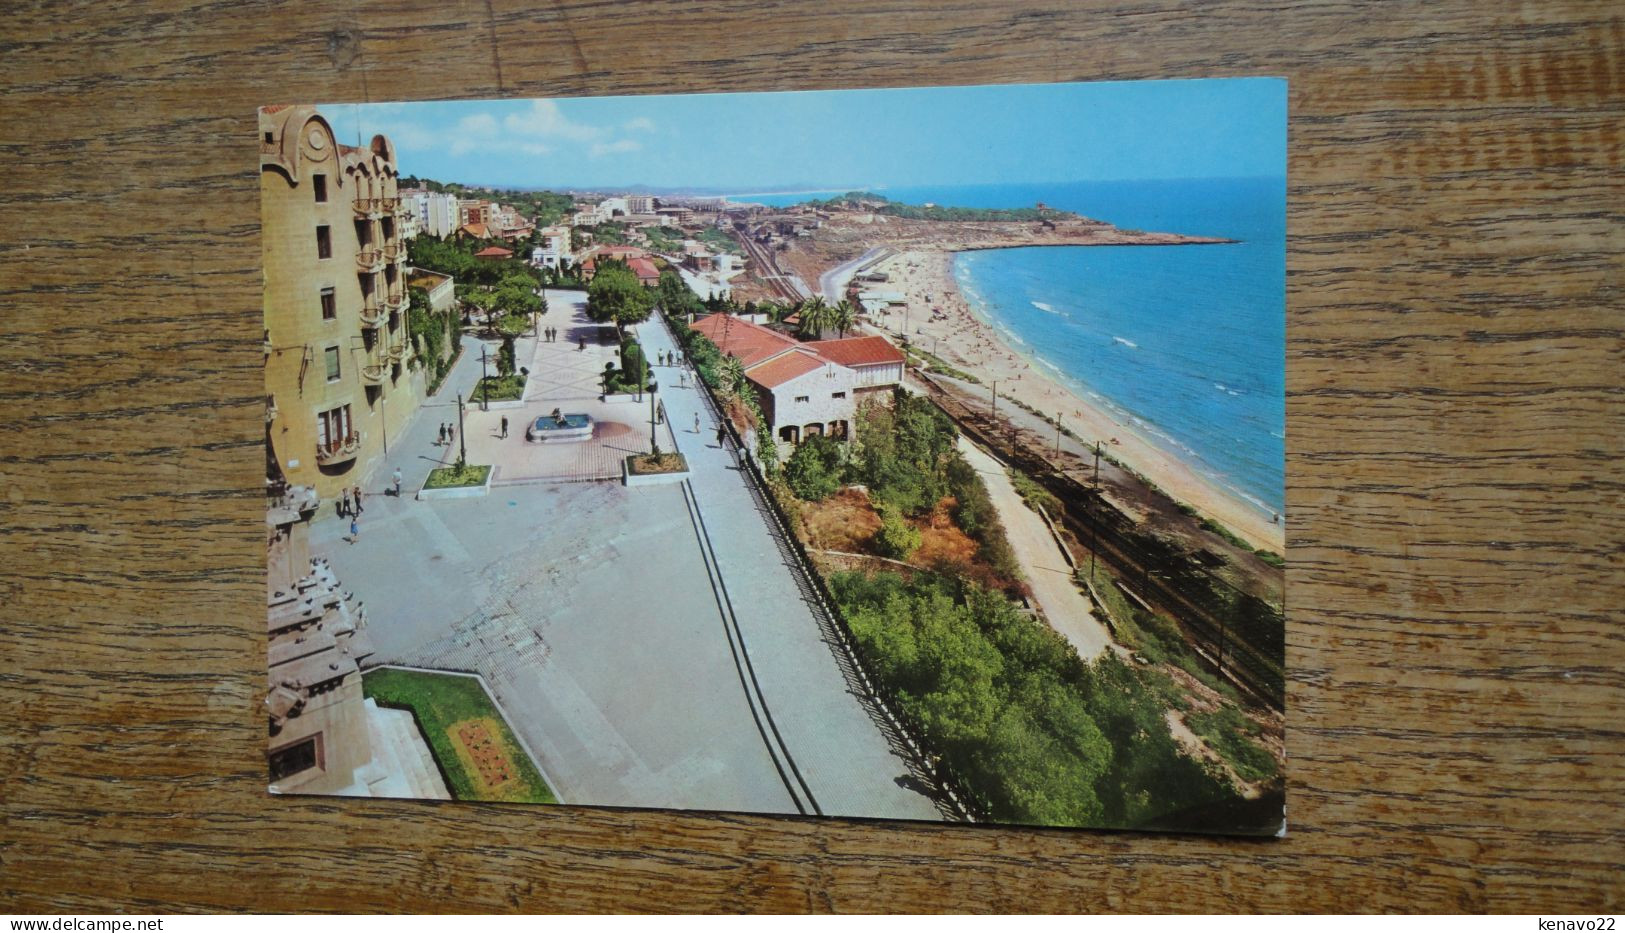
<point x="554" y="247"/>
<point x="640" y="204"/>
<point x="495" y="253"/>
<point x="336" y="342"/>
<point x="645" y="271"/>
<point x="807" y="388"/>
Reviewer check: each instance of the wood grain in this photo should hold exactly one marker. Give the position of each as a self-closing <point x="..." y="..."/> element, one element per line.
<point x="1455" y="590"/>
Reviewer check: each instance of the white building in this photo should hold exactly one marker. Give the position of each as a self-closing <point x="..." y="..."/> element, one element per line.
<point x="555" y="247"/>
<point x="807" y="388"/>
<point x="435" y="212"/>
<point x="640" y="204"/>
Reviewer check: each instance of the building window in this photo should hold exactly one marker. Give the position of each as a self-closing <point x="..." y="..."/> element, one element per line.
<point x="332" y="354"/>
<point x="318" y="184"/>
<point x="330" y="307"/>
<point x="324" y="242"/>
<point x="837" y="395"/>
<point x="803" y="398"/>
<point x="295" y="758"/>
<point x="333" y="427"/>
<point x="269" y="139"/>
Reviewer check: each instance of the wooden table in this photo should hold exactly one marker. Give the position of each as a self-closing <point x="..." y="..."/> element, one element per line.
<point x="1455" y="415"/>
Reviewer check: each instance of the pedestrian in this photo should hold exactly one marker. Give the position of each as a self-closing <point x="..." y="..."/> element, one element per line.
<point x="442" y="441"/>
<point x="582" y="345"/>
<point x="660" y="413"/>
<point x="397" y="482"/>
<point x="451" y="433"/>
<point x="344" y="503"/>
<point x="355" y="531"/>
<point x="722" y="436"/>
<point x="355" y="494"/>
<point x="504" y="425"/>
<point x="696" y="422"/>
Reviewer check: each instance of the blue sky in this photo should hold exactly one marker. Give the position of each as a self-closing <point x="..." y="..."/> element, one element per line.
<point x="1002" y="134"/>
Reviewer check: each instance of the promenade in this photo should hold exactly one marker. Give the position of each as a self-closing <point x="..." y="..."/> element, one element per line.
<point x="651" y="645"/>
<point x="842" y="753"/>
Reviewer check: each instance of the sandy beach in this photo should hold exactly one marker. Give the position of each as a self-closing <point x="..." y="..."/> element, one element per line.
<point x="962" y="338"/>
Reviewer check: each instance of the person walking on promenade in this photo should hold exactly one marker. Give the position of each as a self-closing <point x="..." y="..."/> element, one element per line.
<point x="504" y="425"/>
<point x="355" y="530"/>
<point x="355" y="494"/>
<point x="442" y="441"/>
<point x="451" y="433"/>
<point x="722" y="437"/>
<point x="696" y="422"/>
<point x="660" y="413"/>
<point x="344" y="503"/>
<point x="397" y="478"/>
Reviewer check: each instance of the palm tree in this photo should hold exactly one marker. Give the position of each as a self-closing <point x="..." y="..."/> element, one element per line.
<point x="815" y="318"/>
<point x="731" y="373"/>
<point x="841" y="316"/>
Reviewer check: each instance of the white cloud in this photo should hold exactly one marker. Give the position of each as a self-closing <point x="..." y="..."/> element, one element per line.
<point x="620" y="145"/>
<point x="541" y="129"/>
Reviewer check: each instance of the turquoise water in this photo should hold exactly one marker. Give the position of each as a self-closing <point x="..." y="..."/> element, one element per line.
<point x="1187" y="341"/>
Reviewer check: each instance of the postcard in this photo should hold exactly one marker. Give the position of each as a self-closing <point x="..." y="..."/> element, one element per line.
<point x="909" y="454"/>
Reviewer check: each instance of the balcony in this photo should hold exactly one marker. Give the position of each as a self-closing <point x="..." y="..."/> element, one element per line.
<point x="392" y="251"/>
<point x="389" y="205"/>
<point x="374" y="371"/>
<point x="372" y="311"/>
<point x="369" y="260"/>
<point x="367" y="208"/>
<point x="397" y="351"/>
<point x="396" y="299"/>
<point x="341" y="452"/>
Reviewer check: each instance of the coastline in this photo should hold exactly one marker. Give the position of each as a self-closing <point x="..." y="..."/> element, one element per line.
<point x="968" y="340"/>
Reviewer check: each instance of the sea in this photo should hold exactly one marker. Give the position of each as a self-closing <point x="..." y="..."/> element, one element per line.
<point x="1186" y="342"/>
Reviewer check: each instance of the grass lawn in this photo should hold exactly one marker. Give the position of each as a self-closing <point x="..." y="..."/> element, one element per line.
<point x="501" y="388"/>
<point x="451" y="477"/>
<point x="442" y="704"/>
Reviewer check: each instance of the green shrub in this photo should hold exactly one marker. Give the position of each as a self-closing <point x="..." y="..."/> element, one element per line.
<point x="813" y="471"/>
<point x="897" y="539"/>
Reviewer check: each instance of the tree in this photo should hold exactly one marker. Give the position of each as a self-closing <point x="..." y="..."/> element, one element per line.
<point x="731" y="375"/>
<point x="615" y="297"/>
<point x="896" y="539"/>
<point x="841" y="317"/>
<point x="815" y="319"/>
<point x="813" y="472"/>
<point x="634" y="368"/>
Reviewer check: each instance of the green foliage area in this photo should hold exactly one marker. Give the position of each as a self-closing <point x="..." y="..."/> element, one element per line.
<point x="1227" y="731"/>
<point x="609" y="234"/>
<point x="634" y="368"/>
<point x="1270" y="557"/>
<point x="813" y="471"/>
<point x="717" y="240"/>
<point x="500" y="388"/>
<point x="896" y="539"/>
<point x="456" y="258"/>
<point x="1029" y="730"/>
<point x="665" y="239"/>
<point x="1032" y="493"/>
<point x="903" y="453"/>
<point x="932" y="363"/>
<point x="455" y="476"/>
<point x="615" y="297"/>
<point x="435" y="334"/>
<point x="867" y="200"/>
<point x="440" y="701"/>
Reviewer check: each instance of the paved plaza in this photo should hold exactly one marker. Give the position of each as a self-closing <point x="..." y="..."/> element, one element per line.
<point x="651" y="645"/>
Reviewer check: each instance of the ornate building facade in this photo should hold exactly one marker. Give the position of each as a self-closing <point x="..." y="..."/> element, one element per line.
<point x="338" y="376"/>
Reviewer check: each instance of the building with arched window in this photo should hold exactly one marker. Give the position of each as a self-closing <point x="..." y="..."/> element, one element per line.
<point x="339" y="374"/>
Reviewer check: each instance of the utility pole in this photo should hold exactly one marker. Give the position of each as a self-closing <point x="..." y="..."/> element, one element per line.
<point x="1094" y="534"/>
<point x="1057" y="439"/>
<point x="993" y="412"/>
<point x="462" y="435"/>
<point x="485" y="384"/>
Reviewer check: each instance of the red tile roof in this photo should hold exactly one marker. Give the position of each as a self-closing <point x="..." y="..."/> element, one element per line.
<point x="644" y="269"/>
<point x="783" y="368"/>
<point x="493" y="252"/>
<point x="751" y="343"/>
<point x="858" y="351"/>
<point x="476" y="230"/>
